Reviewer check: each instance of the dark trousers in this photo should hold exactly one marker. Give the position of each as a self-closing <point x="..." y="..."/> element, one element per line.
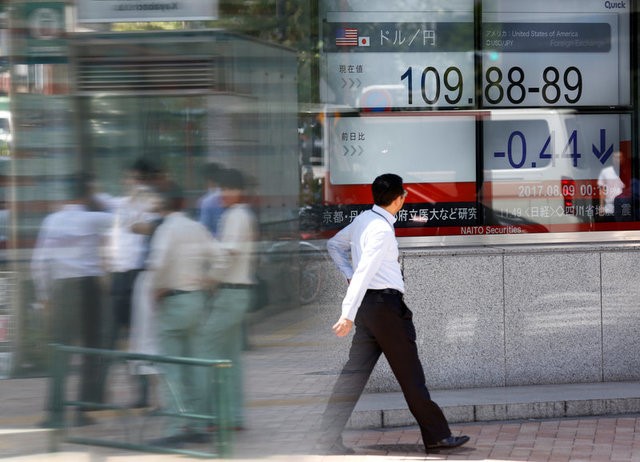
<point x="121" y="300"/>
<point x="78" y="317"/>
<point x="384" y="325"/>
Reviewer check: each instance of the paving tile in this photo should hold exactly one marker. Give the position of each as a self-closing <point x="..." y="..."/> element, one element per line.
<point x="286" y="392"/>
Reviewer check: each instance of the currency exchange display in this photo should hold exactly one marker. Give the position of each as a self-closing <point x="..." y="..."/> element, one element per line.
<point x="502" y="117"/>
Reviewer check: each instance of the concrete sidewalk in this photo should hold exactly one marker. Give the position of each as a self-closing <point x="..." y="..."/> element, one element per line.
<point x="599" y="439"/>
<point x="288" y="379"/>
<point x="279" y="431"/>
<point x="509" y="403"/>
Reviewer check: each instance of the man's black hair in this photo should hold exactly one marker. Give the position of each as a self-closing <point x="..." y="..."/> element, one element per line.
<point x="81" y="185"/>
<point x="144" y="168"/>
<point x="211" y="171"/>
<point x="173" y="196"/>
<point x="386" y="188"/>
<point x="232" y="179"/>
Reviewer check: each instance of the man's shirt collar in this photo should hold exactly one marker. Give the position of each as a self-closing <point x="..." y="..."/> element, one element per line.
<point x="386" y="215"/>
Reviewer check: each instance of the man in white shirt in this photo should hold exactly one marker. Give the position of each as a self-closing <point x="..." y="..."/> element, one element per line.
<point x="182" y="251"/>
<point x="222" y="335"/>
<point x="126" y="248"/>
<point x="67" y="270"/>
<point x="366" y="252"/>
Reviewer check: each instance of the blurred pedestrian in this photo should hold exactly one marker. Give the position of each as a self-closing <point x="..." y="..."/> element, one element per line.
<point x="68" y="274"/>
<point x="143" y="333"/>
<point x="222" y="335"/>
<point x="179" y="268"/>
<point x="127" y="248"/>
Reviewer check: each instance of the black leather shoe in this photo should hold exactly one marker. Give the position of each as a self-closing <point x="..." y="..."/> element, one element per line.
<point x="82" y="420"/>
<point x="173" y="441"/>
<point x="198" y="437"/>
<point x="448" y="443"/>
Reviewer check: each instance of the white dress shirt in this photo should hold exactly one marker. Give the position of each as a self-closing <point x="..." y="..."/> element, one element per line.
<point x="127" y="249"/>
<point x="237" y="232"/>
<point x="69" y="245"/>
<point x="366" y="252"/>
<point x="182" y="251"/>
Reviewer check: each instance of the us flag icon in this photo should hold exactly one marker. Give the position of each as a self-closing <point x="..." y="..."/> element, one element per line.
<point x="347" y="37"/>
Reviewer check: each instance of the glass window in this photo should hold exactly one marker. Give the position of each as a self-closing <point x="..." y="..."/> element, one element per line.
<point x="498" y="115"/>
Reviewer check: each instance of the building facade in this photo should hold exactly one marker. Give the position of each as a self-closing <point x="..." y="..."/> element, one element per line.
<point x="514" y="125"/>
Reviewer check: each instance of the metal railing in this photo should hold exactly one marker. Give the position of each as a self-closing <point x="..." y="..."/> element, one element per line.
<point x="217" y="378"/>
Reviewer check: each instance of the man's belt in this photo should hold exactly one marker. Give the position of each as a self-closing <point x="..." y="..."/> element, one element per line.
<point x="171" y="293"/>
<point x="226" y="285"/>
<point x="386" y="291"/>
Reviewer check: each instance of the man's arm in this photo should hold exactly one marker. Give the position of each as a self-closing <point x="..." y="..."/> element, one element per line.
<point x="40" y="263"/>
<point x="339" y="248"/>
<point x="158" y="260"/>
<point x="377" y="244"/>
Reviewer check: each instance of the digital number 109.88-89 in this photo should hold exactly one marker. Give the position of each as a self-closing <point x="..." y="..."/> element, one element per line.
<point x="496" y="89"/>
<point x="555" y="83"/>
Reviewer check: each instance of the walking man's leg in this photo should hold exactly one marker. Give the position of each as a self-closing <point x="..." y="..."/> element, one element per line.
<point x="363" y="356"/>
<point x="396" y="335"/>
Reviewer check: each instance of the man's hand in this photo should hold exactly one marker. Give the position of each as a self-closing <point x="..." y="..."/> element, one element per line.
<point x="342" y="327"/>
<point x="158" y="295"/>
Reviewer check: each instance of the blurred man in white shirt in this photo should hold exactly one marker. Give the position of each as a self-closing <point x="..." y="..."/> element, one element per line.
<point x="67" y="268"/>
<point x="179" y="264"/>
<point x="126" y="248"/>
<point x="222" y="335"/>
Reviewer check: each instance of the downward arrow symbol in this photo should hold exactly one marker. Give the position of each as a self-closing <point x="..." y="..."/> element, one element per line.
<point x="603" y="153"/>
